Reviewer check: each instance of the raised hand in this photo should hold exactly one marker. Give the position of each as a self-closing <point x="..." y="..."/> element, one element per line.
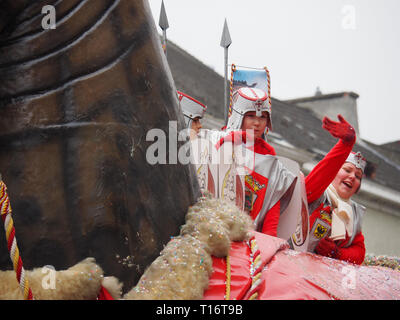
<point x="342" y="129"/>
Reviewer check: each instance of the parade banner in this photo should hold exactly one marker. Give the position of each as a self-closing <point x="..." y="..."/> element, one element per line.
<point x="220" y="172"/>
<point x="230" y="174"/>
<point x="294" y="220"/>
<point x="203" y="152"/>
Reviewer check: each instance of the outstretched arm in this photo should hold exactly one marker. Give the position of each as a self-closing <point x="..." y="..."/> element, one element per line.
<point x="325" y="171"/>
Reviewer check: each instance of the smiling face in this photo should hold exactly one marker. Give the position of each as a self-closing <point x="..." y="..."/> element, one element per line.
<point x="348" y="180"/>
<point x="258" y="124"/>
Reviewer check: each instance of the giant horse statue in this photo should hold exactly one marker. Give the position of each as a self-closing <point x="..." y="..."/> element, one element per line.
<point x="76" y="103"/>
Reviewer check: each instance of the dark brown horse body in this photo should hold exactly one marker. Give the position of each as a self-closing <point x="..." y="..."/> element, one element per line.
<point x="76" y="103"/>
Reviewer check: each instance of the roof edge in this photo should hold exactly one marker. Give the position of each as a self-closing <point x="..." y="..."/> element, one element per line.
<point x="324" y="97"/>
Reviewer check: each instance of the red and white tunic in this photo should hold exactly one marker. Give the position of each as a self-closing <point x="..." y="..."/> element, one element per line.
<point x="266" y="185"/>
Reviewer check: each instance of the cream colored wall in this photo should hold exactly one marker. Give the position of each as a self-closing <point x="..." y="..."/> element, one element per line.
<point x="382" y="233"/>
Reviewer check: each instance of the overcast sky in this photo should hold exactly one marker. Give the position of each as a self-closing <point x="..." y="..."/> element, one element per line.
<point x="337" y="45"/>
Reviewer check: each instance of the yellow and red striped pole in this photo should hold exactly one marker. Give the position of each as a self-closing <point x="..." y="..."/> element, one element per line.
<point x="255" y="269"/>
<point x="12" y="246"/>
<point x="269" y="85"/>
<point x="233" y="69"/>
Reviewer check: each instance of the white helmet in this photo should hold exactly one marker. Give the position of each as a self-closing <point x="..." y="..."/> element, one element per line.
<point x="191" y="108"/>
<point x="245" y="100"/>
